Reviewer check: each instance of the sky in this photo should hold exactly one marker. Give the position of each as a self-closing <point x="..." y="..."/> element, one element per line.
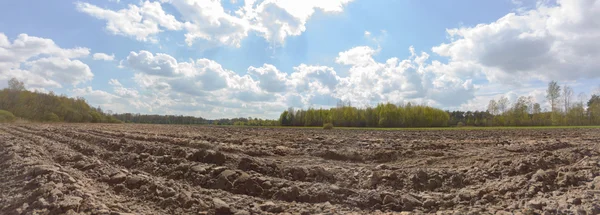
<point x="256" y="58"/>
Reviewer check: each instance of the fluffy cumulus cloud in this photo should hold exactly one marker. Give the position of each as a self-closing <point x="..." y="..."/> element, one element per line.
<point x="306" y="77"/>
<point x="278" y="19"/>
<point x="121" y="100"/>
<point x="275" y="20"/>
<point x="103" y="56"/>
<point x="550" y="42"/>
<point x="207" y="19"/>
<point x="95" y="96"/>
<point x="167" y="85"/>
<point x="120" y="90"/>
<point x="194" y="77"/>
<point x="142" y="22"/>
<point x="396" y="80"/>
<point x="270" y="78"/>
<point x="40" y="63"/>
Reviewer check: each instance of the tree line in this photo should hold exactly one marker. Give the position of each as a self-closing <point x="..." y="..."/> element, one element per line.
<point x="565" y="110"/>
<point x="383" y="115"/>
<point x="48" y="107"/>
<point x="191" y="120"/>
<point x="158" y="119"/>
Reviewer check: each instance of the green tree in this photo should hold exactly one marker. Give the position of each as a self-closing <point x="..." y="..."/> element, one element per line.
<point x="51" y="117"/>
<point x="37" y="106"/>
<point x="594" y="109"/>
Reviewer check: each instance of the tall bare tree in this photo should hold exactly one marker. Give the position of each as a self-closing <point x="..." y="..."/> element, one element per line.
<point x="553" y="95"/>
<point x="503" y="104"/>
<point x="567" y="97"/>
<point x="15" y="85"/>
<point x="582" y="98"/>
<point x="493" y="107"/>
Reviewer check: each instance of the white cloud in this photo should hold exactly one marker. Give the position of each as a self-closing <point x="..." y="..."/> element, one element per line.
<point x="25" y="47"/>
<point x="122" y="91"/>
<point x="163" y="73"/>
<point x="103" y="56"/>
<point x="550" y="42"/>
<point x="94" y="96"/>
<point x="40" y="63"/>
<point x="278" y="19"/>
<point x="275" y="20"/>
<point x="113" y="102"/>
<point x="201" y="87"/>
<point x="161" y="64"/>
<point x="361" y="55"/>
<point x="141" y="22"/>
<point x="269" y="78"/>
<point x="207" y="19"/>
<point x="306" y="75"/>
<point x="63" y="70"/>
<point x="370" y="82"/>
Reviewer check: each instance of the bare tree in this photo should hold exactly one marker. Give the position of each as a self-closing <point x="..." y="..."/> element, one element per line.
<point x="582" y="98"/>
<point x="15" y="85"/>
<point x="493" y="107"/>
<point x="567" y="97"/>
<point x="503" y="104"/>
<point x="530" y="100"/>
<point x="553" y="94"/>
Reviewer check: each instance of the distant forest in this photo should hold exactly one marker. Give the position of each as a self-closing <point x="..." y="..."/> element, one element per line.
<point x="17" y="102"/>
<point x="190" y="120"/>
<point x="565" y="111"/>
<point x="383" y="115"/>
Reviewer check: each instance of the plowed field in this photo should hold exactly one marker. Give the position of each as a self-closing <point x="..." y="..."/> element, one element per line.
<point x="156" y="169"/>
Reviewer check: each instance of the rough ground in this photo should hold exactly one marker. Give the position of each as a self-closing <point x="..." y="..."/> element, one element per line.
<point x="152" y="169"/>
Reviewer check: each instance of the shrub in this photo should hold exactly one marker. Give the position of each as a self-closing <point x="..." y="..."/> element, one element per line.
<point x="328" y="126"/>
<point x="6" y="116"/>
<point x="96" y="117"/>
<point x="460" y="124"/>
<point x="51" y="117"/>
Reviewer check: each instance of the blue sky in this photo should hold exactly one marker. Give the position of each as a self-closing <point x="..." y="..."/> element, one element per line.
<point x="134" y="56"/>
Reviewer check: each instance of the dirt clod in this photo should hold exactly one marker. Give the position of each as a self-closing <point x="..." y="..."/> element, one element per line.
<point x="221" y="207"/>
<point x="271" y="207"/>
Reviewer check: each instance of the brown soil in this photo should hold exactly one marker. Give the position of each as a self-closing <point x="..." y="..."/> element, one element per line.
<point x="153" y="169"/>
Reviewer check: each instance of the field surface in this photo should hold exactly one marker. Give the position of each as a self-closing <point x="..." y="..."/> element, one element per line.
<point x="157" y="169"/>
